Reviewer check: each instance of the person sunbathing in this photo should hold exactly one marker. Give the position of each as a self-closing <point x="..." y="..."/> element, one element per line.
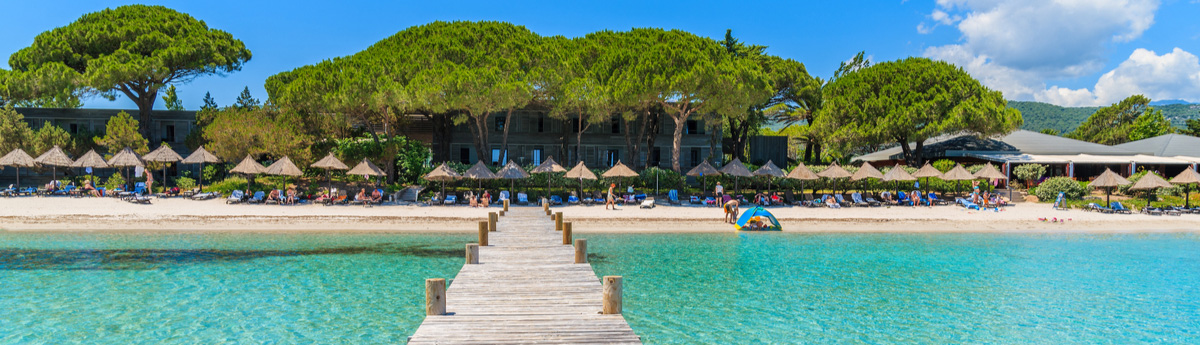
<point x="887" y="197"/>
<point x="361" y="196"/>
<point x="832" y="203"/>
<point x="376" y="196"/>
<point x="90" y="189"/>
<point x="485" y="199"/>
<point x="916" y="197"/>
<point x="274" y="195"/>
<point x="775" y="199"/>
<point x="471" y="200"/>
<point x="291" y="195"/>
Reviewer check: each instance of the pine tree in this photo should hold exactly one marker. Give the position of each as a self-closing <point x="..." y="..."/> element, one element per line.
<point x="171" y="99"/>
<point x="245" y="101"/>
<point x="209" y="102"/>
<point x="14" y="131"/>
<point x="121" y="132"/>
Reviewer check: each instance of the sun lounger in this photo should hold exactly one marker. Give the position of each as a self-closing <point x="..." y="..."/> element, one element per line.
<point x="648" y="203"/>
<point x="673" y="197"/>
<point x="859" y="201"/>
<point x="257" y="198"/>
<point x="572" y="200"/>
<point x="205" y="196"/>
<point x="556" y="200"/>
<point x="841" y="200"/>
<point x="902" y="199"/>
<point x="522" y="198"/>
<point x="934" y="199"/>
<point x="450" y="200"/>
<point x="236" y="196"/>
<point x="810" y="201"/>
<point x="1096" y="207"/>
<point x="1117" y="207"/>
<point x="967" y="204"/>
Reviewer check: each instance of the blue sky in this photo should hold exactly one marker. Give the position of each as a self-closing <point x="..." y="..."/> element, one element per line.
<point x="1066" y="52"/>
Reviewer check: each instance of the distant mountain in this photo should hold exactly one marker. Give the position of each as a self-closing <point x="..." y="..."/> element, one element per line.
<point x="1169" y="102"/>
<point x="1040" y="116"/>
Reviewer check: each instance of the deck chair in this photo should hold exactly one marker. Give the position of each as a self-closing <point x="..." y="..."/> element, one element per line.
<point x="902" y="199"/>
<point x="1117" y="207"/>
<point x="871" y="200"/>
<point x="859" y="201"/>
<point x="1096" y="207"/>
<point x="967" y="204"/>
<point x="572" y="200"/>
<point x="935" y="200"/>
<point x="825" y="201"/>
<point x="1153" y="211"/>
<point x="503" y="196"/>
<point x="236" y="196"/>
<point x="522" y="198"/>
<point x="673" y="197"/>
<point x="647" y="203"/>
<point x="841" y="200"/>
<point x="450" y="200"/>
<point x="257" y="198"/>
<point x="556" y="200"/>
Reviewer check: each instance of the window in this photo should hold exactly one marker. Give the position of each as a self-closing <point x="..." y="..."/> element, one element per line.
<point x="496" y="156"/>
<point x="574" y="125"/>
<point x="616" y="126"/>
<point x="74" y="128"/>
<point x="537" y="156"/>
<point x="695" y="157"/>
<point x="464" y="155"/>
<point x="692" y="127"/>
<point x="500" y="123"/>
<point x="656" y="157"/>
<point x="169" y="134"/>
<point x="541" y="123"/>
<point x="614" y="156"/>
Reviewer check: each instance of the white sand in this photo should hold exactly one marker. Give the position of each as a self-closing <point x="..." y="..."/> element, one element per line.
<point x="106" y="214"/>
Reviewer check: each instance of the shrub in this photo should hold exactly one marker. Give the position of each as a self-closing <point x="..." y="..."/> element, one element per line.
<point x="1029" y="172"/>
<point x="228" y="185"/>
<point x="115" y="181"/>
<point x="1048" y="191"/>
<point x="185" y="183"/>
<point x="943" y="165"/>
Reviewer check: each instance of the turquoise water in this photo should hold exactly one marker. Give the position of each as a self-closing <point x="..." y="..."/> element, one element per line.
<point x="679" y="288"/>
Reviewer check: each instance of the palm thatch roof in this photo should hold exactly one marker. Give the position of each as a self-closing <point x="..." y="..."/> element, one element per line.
<point x="17" y="158"/>
<point x="1185" y="177"/>
<point x="1109" y="179"/>
<point x="91" y="159"/>
<point x="366" y="168"/>
<point x="927" y="171"/>
<point x="1151" y="181"/>
<point x="580" y="171"/>
<point x="834" y="171"/>
<point x="989" y="171"/>
<point x="770" y="169"/>
<point x="330" y="162"/>
<point x="162" y="154"/>
<point x="866" y="171"/>
<point x="126" y="158"/>
<point x="619" y="170"/>
<point x="548" y="166"/>
<point x="512" y="171"/>
<point x="479" y="171"/>
<point x="704" y="169"/>
<point x="802" y="172"/>
<point x="442" y="173"/>
<point x="284" y="167"/>
<point x="897" y="173"/>
<point x="55" y="156"/>
<point x="958" y="173"/>
<point x="736" y="168"/>
<point x="248" y="166"/>
<point x="201" y="156"/>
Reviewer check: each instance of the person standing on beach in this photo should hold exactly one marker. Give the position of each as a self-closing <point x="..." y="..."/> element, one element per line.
<point x="610" y="200"/>
<point x="731" y="211"/>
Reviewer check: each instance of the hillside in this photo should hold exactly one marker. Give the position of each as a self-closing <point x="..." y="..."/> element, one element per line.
<point x="1039" y="115"/>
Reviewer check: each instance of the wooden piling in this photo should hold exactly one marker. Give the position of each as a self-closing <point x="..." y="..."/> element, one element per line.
<point x="435" y="296"/>
<point x="483" y="234"/>
<point x="612" y="295"/>
<point x="546" y="206"/>
<point x="567" y="233"/>
<point x="502" y="213"/>
<point x="581" y="251"/>
<point x="505" y="205"/>
<point x="558" y="221"/>
<point x="473" y="253"/>
<point x="492" y="218"/>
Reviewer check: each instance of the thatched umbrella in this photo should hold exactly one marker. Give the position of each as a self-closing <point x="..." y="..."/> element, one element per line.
<point x="367" y="169"/>
<point x="834" y="171"/>
<point x="1108" y="180"/>
<point x="771" y="171"/>
<point x="330" y="162"/>
<point x="17" y="159"/>
<point x="736" y="169"/>
<point x="248" y="167"/>
<point x="581" y="172"/>
<point x="512" y="172"/>
<point x="619" y="170"/>
<point x="284" y="167"/>
<point x="866" y="171"/>
<point x="55" y="158"/>
<point x="124" y="159"/>
<point x="1150" y="181"/>
<point x="958" y="173"/>
<point x="926" y="172"/>
<point x="702" y="170"/>
<point x="201" y="156"/>
<point x="802" y="173"/>
<point x="92" y="160"/>
<point x="897" y="173"/>
<point x="989" y="171"/>
<point x="442" y="173"/>
<point x="479" y="172"/>
<point x="1186" y="178"/>
<point x="548" y="166"/>
<point x="163" y="154"/>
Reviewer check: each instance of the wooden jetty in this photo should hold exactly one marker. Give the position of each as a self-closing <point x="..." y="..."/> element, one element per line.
<point x="527" y="288"/>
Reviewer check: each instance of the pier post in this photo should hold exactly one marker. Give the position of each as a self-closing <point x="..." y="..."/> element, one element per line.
<point x="612" y="295"/>
<point x="567" y="233"/>
<point x="483" y="234"/>
<point x="435" y="296"/>
<point x="473" y="253"/>
<point x="546" y="206"/>
<point x="558" y="221"/>
<point x="492" y="217"/>
<point x="581" y="251"/>
<point x="505" y="205"/>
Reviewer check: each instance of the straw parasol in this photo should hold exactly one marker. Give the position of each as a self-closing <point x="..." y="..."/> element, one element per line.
<point x="479" y="172"/>
<point x="511" y="172"/>
<point x="91" y="160"/>
<point x="736" y="169"/>
<point x="802" y="173"/>
<point x="989" y="172"/>
<point x="442" y="173"/>
<point x="17" y="159"/>
<point x="958" y="173"/>
<point x="771" y="171"/>
<point x="834" y="171"/>
<point x="1150" y="181"/>
<point x="926" y="172"/>
<point x="866" y="171"/>
<point x="1108" y="180"/>
<point x="163" y="154"/>
<point x="201" y="156"/>
<point x="366" y="168"/>
<point x="248" y="167"/>
<point x="897" y="173"/>
<point x="619" y="170"/>
<point x="1185" y="178"/>
<point x="702" y="170"/>
<point x="330" y="162"/>
<point x="548" y="166"/>
<point x="581" y="172"/>
<point x="55" y="158"/>
<point x="126" y="158"/>
<point x="284" y="167"/>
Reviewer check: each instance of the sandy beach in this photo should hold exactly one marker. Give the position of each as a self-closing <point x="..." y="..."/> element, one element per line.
<point x="106" y="214"/>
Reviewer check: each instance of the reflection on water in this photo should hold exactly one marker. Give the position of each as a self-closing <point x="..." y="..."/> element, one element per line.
<point x="144" y="259"/>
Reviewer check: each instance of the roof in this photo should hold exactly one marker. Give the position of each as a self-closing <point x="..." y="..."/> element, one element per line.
<point x="1165" y="145"/>
<point x="1017" y="142"/>
<point x="1081" y="159"/>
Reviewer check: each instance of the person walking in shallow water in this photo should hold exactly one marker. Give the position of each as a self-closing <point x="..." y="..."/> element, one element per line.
<point x="611" y="199"/>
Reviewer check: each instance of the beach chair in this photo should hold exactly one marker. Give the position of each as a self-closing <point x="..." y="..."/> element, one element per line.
<point x="902" y="199"/>
<point x="695" y="199"/>
<point x="870" y="199"/>
<point x="1117" y="207"/>
<point x="860" y="201"/>
<point x="556" y="200"/>
<point x="450" y="200"/>
<point x="967" y="203"/>
<point x="1153" y="211"/>
<point x="1096" y="207"/>
<point x="503" y="196"/>
<point x="235" y="197"/>
<point x="257" y="198"/>
<point x="647" y="203"/>
<point x="673" y="197"/>
<point x="935" y="200"/>
<point x="8" y="191"/>
<point x="64" y="191"/>
<point x="841" y="200"/>
<point x="522" y="198"/>
<point x="29" y="191"/>
<point x="572" y="200"/>
<point x="825" y="201"/>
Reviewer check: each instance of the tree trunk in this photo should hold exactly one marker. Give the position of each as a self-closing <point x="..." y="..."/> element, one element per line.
<point x="677" y="140"/>
<point x="634" y="142"/>
<point x="504" y="141"/>
<point x="908" y="158"/>
<point x="714" y="135"/>
<point x="651" y="130"/>
<point x="919" y="153"/>
<point x="808" y="151"/>
<point x="478" y="126"/>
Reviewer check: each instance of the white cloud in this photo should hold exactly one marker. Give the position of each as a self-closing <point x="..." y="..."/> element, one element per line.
<point x="1015" y="46"/>
<point x="1174" y="75"/>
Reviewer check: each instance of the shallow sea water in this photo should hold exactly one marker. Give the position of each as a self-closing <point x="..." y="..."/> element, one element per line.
<point x="108" y="288"/>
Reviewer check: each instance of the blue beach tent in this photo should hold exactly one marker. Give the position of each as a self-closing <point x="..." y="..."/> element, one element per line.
<point x="758" y="214"/>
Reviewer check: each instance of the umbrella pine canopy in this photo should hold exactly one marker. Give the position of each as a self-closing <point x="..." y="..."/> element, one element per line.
<point x="512" y="171"/>
<point x="54" y="157"/>
<point x="958" y="173"/>
<point x="736" y="168"/>
<point x="866" y="171"/>
<point x="17" y="158"/>
<point x="330" y="163"/>
<point x="126" y="158"/>
<point x="248" y="166"/>
<point x="201" y="156"/>
<point x="548" y="166"/>
<point x="802" y="172"/>
<point x="704" y="169"/>
<point x="989" y="171"/>
<point x="365" y="168"/>
<point x="620" y="170"/>
<point x="91" y="159"/>
<point x="284" y="167"/>
<point x="770" y="169"/>
<point x="580" y="171"/>
<point x="479" y="171"/>
<point x="162" y="154"/>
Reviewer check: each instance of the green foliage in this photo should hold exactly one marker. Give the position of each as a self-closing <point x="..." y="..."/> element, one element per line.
<point x="1192" y="128"/>
<point x="48" y="137"/>
<point x="1150" y="125"/>
<point x="1049" y="189"/>
<point x="185" y="183"/>
<point x="911" y="100"/>
<point x="1029" y="172"/>
<point x="236" y="132"/>
<point x="1041" y="116"/>
<point x="1121" y="121"/>
<point x="1050" y="131"/>
<point x="14" y="131"/>
<point x="228" y="185"/>
<point x="209" y="102"/>
<point x="245" y="101"/>
<point x="121" y="132"/>
<point x="943" y="165"/>
<point x="171" y="99"/>
<point x="410" y="156"/>
<point x="115" y="181"/>
<point x="210" y="172"/>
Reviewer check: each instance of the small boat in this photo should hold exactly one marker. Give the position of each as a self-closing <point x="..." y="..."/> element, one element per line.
<point x="757" y="219"/>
